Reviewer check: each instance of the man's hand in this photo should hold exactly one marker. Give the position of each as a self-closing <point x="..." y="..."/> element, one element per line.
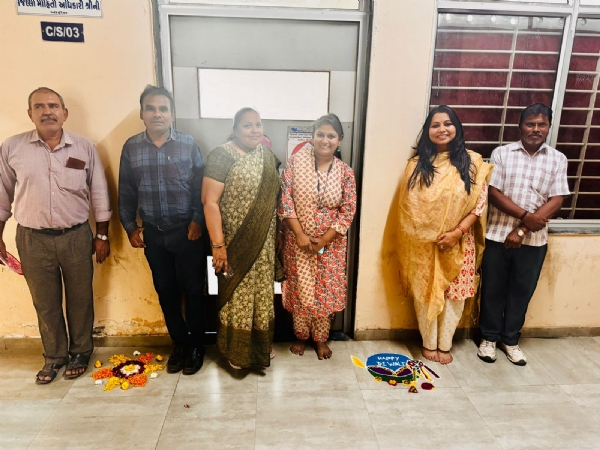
<point x="194" y="231"/>
<point x="3" y="250"/>
<point x="513" y="240"/>
<point x="102" y="250"/>
<point x="135" y="239"/>
<point x="535" y="222"/>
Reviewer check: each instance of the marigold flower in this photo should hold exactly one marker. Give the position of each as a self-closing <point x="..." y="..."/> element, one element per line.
<point x="115" y="360"/>
<point x="130" y="369"/>
<point x="153" y="368"/>
<point x="146" y="358"/>
<point x="103" y="373"/>
<point x="112" y="383"/>
<point x="128" y="372"/>
<point x="138" y="380"/>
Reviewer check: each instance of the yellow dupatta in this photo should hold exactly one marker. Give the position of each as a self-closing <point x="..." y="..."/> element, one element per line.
<point x="426" y="212"/>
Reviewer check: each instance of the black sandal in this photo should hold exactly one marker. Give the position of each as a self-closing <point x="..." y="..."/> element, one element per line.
<point x="79" y="361"/>
<point x="49" y="370"/>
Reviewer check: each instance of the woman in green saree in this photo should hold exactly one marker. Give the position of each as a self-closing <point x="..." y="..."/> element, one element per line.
<point x="239" y="192"/>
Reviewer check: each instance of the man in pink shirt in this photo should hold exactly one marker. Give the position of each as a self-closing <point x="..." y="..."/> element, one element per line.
<point x="52" y="176"/>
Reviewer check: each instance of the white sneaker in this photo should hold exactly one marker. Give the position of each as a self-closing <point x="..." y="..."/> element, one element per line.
<point x="514" y="354"/>
<point x="487" y="351"/>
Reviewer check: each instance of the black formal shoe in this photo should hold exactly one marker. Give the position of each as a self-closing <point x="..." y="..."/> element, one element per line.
<point x="176" y="360"/>
<point x="194" y="360"/>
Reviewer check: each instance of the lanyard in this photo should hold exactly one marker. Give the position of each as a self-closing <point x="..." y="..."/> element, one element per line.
<point x="319" y="181"/>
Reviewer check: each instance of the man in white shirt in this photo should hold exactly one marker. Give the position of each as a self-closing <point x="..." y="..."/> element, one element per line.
<point x="528" y="186"/>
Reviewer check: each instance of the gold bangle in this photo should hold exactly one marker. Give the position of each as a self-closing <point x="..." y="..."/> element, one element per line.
<point x="218" y="246"/>
<point x="463" y="231"/>
<point x="279" y="231"/>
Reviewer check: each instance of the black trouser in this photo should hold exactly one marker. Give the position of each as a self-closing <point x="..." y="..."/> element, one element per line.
<point x="51" y="263"/>
<point x="177" y="265"/>
<point x="509" y="279"/>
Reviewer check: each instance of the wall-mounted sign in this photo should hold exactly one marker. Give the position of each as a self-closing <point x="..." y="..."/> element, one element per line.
<point x="62" y="32"/>
<point x="325" y="4"/>
<point x="77" y="8"/>
<point x="298" y="138"/>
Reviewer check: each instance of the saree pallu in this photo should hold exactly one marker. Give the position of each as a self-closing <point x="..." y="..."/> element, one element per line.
<point x="424" y="213"/>
<point x="247" y="205"/>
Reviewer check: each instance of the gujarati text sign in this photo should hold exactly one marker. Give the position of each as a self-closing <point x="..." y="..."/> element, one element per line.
<point x="77" y="8"/>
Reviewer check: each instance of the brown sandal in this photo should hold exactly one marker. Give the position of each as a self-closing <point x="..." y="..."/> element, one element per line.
<point x="79" y="361"/>
<point x="49" y="370"/>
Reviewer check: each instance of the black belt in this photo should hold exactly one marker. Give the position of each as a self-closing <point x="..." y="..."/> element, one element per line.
<point x="55" y="231"/>
<point x="165" y="228"/>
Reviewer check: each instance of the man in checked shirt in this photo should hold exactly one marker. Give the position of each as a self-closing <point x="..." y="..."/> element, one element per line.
<point x="528" y="186"/>
<point x="161" y="177"/>
<point x="52" y="176"/>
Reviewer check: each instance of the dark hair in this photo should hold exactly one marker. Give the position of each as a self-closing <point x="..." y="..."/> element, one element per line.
<point x="535" y="110"/>
<point x="238" y="118"/>
<point x="238" y="115"/>
<point x="426" y="151"/>
<point x="155" y="90"/>
<point x="45" y="89"/>
<point x="334" y="121"/>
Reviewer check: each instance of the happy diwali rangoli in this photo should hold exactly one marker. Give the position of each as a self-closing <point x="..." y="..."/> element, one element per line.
<point x="397" y="369"/>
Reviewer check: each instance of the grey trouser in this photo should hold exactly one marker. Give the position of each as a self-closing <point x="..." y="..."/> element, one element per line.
<point x="48" y="262"/>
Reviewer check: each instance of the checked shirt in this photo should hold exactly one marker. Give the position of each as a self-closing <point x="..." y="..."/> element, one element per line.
<point x="529" y="181"/>
<point x="163" y="183"/>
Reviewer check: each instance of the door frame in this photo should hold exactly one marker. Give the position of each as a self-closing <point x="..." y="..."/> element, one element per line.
<point x="164" y="10"/>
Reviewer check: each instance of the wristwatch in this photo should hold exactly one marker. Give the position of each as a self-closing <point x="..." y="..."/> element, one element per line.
<point x="102" y="237"/>
<point x="520" y="232"/>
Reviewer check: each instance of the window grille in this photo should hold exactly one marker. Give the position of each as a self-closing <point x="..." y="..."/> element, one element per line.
<point x="488" y="68"/>
<point x="532" y="2"/>
<point x="579" y="132"/>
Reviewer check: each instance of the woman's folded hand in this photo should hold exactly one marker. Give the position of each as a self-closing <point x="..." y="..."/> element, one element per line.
<point x="303" y="242"/>
<point x="448" y="239"/>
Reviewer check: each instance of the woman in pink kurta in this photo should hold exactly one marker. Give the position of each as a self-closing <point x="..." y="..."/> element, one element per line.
<point x="317" y="206"/>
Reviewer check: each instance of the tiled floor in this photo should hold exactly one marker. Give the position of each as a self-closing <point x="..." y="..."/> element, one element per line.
<point x="300" y="402"/>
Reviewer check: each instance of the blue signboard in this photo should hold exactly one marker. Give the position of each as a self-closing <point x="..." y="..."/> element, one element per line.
<point x="62" y="32"/>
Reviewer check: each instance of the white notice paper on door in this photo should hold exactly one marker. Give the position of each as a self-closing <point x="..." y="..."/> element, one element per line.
<point x="276" y="95"/>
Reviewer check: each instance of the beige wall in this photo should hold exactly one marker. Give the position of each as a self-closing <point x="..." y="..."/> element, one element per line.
<point x="100" y="80"/>
<point x="567" y="293"/>
<point x="399" y="76"/>
<point x="400" y="71"/>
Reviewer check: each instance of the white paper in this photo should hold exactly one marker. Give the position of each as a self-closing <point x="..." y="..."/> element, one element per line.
<point x="67" y="8"/>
